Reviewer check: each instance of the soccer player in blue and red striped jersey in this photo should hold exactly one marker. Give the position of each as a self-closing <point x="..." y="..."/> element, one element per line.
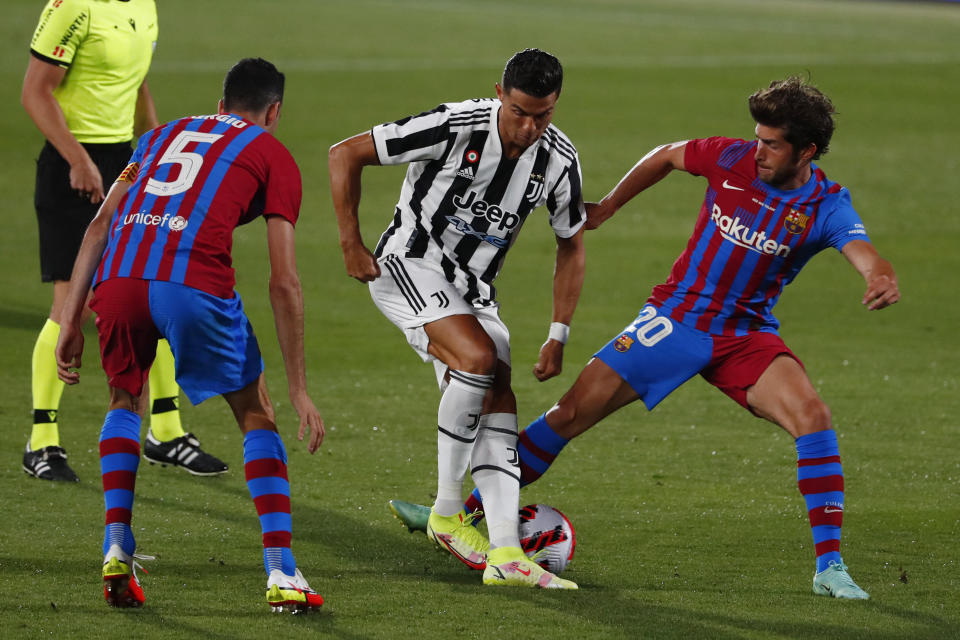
<point x="158" y="257"/>
<point x="767" y="210"/>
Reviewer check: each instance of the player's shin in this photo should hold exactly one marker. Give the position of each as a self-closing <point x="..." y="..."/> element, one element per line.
<point x="119" y="460"/>
<point x="457" y="420"/>
<point x="538" y="447"/>
<point x="265" y="467"/>
<point x="164" y="396"/>
<point x="47" y="388"/>
<point x="496" y="472"/>
<point x="820" y="478"/>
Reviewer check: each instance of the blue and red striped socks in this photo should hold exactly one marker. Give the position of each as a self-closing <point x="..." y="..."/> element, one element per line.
<point x="119" y="460"/>
<point x="820" y="478"/>
<point x="265" y="466"/>
<point x="537" y="447"/>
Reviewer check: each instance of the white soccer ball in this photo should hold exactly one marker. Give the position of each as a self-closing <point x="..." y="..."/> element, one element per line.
<point x="547" y="536"/>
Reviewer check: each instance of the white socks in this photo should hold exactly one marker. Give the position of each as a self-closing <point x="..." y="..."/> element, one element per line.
<point x="495" y="466"/>
<point x="457" y="420"/>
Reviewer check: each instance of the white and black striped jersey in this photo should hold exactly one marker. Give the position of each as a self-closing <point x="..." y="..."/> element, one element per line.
<point x="462" y="202"/>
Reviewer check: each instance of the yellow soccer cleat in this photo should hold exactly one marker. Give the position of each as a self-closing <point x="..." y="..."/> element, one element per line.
<point x="457" y="535"/>
<point x="509" y="566"/>
<point x="120" y="585"/>
<point x="291" y="593"/>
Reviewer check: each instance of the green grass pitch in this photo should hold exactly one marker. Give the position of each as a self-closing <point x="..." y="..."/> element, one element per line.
<point x="689" y="521"/>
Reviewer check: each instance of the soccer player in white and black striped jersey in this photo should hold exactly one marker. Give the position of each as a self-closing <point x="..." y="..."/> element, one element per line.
<point x="476" y="170"/>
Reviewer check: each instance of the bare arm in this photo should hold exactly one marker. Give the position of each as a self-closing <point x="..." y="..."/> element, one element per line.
<point x="286" y="298"/>
<point x="347" y="160"/>
<point x="145" y="116"/>
<point x="567" y="283"/>
<point x="38" y="101"/>
<point x="70" y="344"/>
<point x="882" y="290"/>
<point x="651" y="169"/>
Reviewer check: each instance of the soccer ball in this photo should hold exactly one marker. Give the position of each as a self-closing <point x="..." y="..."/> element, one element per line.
<point x="546" y="531"/>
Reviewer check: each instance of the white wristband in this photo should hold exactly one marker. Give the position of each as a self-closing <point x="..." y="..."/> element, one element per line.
<point x="559" y="332"/>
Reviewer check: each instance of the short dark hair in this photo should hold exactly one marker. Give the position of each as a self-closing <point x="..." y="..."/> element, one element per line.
<point x="535" y="72"/>
<point x="253" y="84"/>
<point x="805" y="114"/>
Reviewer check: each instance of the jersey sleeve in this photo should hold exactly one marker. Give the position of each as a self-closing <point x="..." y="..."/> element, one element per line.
<point x="844" y="224"/>
<point x="414" y="138"/>
<point x="700" y="156"/>
<point x="565" y="202"/>
<point x="63" y="26"/>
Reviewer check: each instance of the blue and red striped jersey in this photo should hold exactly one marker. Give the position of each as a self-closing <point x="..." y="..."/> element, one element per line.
<point x="199" y="178"/>
<point x="750" y="240"/>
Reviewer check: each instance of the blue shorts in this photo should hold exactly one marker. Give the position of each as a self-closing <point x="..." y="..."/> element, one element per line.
<point x="655" y="354"/>
<point x="213" y="344"/>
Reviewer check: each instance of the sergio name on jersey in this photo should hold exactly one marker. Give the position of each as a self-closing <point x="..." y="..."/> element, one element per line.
<point x="196" y="180"/>
<point x="462" y="202"/>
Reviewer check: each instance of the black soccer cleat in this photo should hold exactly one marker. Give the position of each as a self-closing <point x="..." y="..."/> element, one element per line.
<point x="49" y="463"/>
<point x="183" y="452"/>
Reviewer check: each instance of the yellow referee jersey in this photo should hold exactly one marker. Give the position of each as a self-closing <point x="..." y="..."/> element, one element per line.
<point x="106" y="47"/>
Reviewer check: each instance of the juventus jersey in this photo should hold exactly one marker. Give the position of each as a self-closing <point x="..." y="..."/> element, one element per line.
<point x="462" y="202"/>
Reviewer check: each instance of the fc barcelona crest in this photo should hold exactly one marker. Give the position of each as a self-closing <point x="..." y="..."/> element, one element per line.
<point x="623" y="343"/>
<point x="795" y="222"/>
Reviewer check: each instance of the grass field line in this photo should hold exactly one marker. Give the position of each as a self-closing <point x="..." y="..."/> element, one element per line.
<point x="711" y="61"/>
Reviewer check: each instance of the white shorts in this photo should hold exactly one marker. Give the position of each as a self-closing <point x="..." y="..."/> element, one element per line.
<point x="411" y="294"/>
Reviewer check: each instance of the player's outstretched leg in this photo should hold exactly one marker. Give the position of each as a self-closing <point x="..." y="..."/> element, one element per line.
<point x="265" y="466"/>
<point x="119" y="460"/>
<point x="820" y="479"/>
<point x="509" y="566"/>
<point x="166" y="442"/>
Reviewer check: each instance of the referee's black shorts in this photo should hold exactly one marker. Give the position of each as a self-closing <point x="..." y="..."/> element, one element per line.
<point x="62" y="214"/>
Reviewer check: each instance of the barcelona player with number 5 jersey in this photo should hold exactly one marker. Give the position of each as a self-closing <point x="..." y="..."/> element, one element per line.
<point x="767" y="210"/>
<point x="158" y="256"/>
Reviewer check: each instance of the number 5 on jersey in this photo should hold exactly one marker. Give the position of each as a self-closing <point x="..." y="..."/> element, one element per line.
<point x="189" y="161"/>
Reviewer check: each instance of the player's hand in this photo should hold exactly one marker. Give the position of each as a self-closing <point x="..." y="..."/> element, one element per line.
<point x="309" y="418"/>
<point x="360" y="263"/>
<point x="597" y="214"/>
<point x="86" y="180"/>
<point x="550" y="362"/>
<point x="68" y="352"/>
<point x="881" y="292"/>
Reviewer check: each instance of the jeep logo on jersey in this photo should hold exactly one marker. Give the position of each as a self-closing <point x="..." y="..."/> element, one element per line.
<point x="176" y="223"/>
<point x="534" y="188"/>
<point x="493" y="213"/>
<point x="741" y="235"/>
<point x="464" y="227"/>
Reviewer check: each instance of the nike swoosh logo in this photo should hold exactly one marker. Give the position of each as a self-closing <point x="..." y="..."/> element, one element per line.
<point x="525" y="572"/>
<point x="831" y="510"/>
<point x="727" y="185"/>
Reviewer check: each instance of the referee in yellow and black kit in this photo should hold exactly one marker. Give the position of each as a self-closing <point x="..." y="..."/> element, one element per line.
<point x="86" y="90"/>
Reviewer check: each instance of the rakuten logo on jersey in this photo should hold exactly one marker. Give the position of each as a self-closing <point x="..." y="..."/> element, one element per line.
<point x="742" y="236"/>
<point x="176" y="223"/>
<point x="491" y="212"/>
